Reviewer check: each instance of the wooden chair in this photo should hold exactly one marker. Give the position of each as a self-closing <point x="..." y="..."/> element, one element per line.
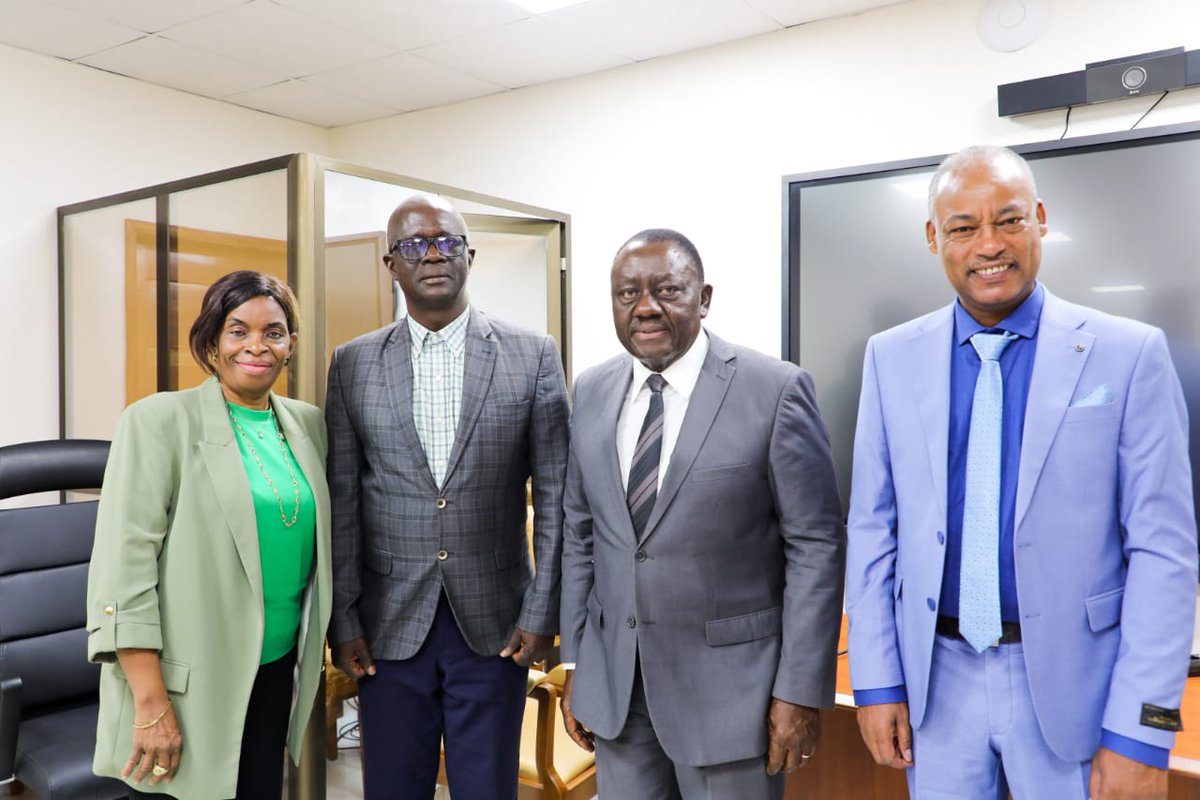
<point x="552" y="766"/>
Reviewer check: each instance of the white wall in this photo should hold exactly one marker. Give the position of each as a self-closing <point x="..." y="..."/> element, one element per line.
<point x="700" y="141"/>
<point x="70" y="133"/>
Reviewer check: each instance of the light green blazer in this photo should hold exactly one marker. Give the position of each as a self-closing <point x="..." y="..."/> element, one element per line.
<point x="175" y="567"/>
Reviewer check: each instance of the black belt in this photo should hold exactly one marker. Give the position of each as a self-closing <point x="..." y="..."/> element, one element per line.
<point x="1010" y="632"/>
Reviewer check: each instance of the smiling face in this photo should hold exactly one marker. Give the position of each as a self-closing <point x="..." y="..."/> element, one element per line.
<point x="435" y="287"/>
<point x="250" y="351"/>
<point x="658" y="302"/>
<point x="987" y="225"/>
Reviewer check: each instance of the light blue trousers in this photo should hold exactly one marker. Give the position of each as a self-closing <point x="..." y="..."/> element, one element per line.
<point x="980" y="738"/>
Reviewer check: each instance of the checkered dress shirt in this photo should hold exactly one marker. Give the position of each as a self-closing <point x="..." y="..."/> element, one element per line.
<point x="437" y="363"/>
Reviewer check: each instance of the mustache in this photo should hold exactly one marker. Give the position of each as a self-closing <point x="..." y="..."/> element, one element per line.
<point x="987" y="263"/>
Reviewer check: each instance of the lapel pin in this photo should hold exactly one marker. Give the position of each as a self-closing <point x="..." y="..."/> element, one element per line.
<point x="1078" y="348"/>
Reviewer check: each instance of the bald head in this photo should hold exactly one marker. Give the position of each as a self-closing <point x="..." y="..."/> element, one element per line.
<point x="432" y="269"/>
<point x="1001" y="161"/>
<point x="424" y="206"/>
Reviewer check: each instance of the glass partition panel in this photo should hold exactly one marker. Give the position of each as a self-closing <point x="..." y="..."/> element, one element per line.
<point x="99" y="253"/>
<point x="215" y="230"/>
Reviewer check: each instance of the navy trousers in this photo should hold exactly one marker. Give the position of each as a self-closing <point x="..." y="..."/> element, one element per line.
<point x="476" y="703"/>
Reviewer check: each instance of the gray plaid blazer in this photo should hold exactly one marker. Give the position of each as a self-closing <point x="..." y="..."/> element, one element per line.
<point x="398" y="540"/>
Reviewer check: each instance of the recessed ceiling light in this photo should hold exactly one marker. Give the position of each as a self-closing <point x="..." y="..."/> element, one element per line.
<point x="542" y="6"/>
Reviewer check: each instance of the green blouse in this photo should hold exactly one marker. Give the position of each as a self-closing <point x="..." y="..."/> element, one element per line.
<point x="286" y="526"/>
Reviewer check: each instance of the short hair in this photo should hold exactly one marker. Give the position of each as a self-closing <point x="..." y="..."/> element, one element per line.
<point x="977" y="154"/>
<point x="656" y="235"/>
<point x="227" y="293"/>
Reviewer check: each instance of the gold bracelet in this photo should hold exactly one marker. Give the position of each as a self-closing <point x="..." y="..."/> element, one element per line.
<point x="141" y="726"/>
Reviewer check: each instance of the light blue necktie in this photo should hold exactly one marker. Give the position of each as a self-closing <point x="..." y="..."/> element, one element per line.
<point x="979" y="583"/>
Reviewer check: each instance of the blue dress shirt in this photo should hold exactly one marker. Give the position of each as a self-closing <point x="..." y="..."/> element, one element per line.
<point x="1016" y="367"/>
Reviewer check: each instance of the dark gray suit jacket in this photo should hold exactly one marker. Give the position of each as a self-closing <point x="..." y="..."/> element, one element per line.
<point x="733" y="594"/>
<point x="389" y="519"/>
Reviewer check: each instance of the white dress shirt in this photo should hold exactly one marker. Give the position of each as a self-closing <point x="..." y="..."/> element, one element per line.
<point x="438" y="360"/>
<point x="681" y="379"/>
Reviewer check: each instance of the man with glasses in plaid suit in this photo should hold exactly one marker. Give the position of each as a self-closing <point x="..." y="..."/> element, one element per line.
<point x="436" y="422"/>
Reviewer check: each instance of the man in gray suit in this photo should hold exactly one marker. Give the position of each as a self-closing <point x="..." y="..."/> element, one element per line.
<point x="436" y="422"/>
<point x="703" y="550"/>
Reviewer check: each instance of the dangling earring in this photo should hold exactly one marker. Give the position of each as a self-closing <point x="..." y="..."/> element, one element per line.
<point x="287" y="360"/>
<point x="212" y="356"/>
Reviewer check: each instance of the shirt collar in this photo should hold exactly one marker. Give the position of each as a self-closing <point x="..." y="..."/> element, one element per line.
<point x="1023" y="321"/>
<point x="680" y="376"/>
<point x="454" y="334"/>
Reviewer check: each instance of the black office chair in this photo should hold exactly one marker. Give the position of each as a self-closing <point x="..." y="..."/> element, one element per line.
<point x="48" y="690"/>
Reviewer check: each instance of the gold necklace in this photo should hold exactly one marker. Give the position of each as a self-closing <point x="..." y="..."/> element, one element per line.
<point x="282" y="449"/>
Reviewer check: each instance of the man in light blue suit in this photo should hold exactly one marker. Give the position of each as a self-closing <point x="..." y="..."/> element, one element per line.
<point x="1021" y="574"/>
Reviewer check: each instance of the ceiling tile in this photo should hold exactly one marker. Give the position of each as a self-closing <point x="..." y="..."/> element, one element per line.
<point x="404" y="82"/>
<point x="409" y="24"/>
<point x="641" y="29"/>
<point x="797" y="12"/>
<point x="149" y="15"/>
<point x="166" y="63"/>
<point x="523" y="53"/>
<point x="309" y="103"/>
<point x="56" y="31"/>
<point x="269" y="36"/>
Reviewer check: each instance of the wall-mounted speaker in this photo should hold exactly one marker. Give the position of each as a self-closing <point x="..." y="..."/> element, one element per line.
<point x="1129" y="76"/>
<point x="1134" y="75"/>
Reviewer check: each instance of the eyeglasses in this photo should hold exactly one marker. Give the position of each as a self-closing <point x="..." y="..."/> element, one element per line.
<point x="414" y="248"/>
<point x="1008" y="226"/>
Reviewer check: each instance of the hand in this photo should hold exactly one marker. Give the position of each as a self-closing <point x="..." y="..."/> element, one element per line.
<point x="887" y="734"/>
<point x="575" y="729"/>
<point x="1115" y="777"/>
<point x="526" y="648"/>
<point x="794" y="732"/>
<point x="354" y="658"/>
<point x="158" y="745"/>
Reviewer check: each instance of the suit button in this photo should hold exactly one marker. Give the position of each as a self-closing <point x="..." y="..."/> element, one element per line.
<point x="109" y="610"/>
<point x="441" y="502"/>
<point x="929" y="602"/>
<point x="941" y="538"/>
<point x="443" y="555"/>
<point x="631" y="622"/>
<point x="640" y="555"/>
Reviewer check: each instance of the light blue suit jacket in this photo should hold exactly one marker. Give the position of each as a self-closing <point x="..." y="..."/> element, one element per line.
<point x="1105" y="533"/>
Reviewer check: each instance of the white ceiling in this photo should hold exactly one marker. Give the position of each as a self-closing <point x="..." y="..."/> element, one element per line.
<point x="337" y="62"/>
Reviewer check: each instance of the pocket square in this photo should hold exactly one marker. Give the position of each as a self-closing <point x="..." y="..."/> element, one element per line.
<point x="1096" y="397"/>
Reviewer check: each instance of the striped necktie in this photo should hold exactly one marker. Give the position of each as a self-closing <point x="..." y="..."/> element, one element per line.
<point x="979" y="584"/>
<point x="643" y="471"/>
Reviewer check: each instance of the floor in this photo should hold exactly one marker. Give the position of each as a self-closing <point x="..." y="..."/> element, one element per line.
<point x="343" y="778"/>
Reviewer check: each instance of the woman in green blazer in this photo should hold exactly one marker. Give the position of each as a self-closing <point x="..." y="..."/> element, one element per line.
<point x="210" y="576"/>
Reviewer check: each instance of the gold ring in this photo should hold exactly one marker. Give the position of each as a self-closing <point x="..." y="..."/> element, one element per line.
<point x="160" y="770"/>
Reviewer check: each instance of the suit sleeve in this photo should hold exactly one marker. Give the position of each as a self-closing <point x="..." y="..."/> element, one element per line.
<point x="1159" y="541"/>
<point x="344" y="470"/>
<point x="131" y="524"/>
<point x="578" y="569"/>
<point x="547" y="465"/>
<point x="871" y="550"/>
<point x="810" y="519"/>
